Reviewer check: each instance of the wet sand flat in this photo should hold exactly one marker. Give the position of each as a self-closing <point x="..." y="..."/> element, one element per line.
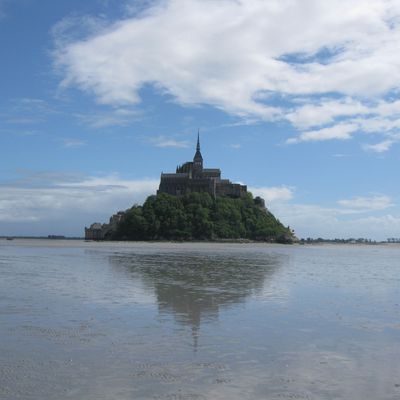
<point x="198" y="321"/>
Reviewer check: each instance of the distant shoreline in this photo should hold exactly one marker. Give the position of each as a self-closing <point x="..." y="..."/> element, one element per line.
<point x="42" y="237"/>
<point x="218" y="241"/>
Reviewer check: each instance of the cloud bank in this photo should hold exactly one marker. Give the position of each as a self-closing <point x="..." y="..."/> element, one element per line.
<point x="53" y="201"/>
<point x="327" y="65"/>
<point x="42" y="203"/>
<point x="273" y="194"/>
<point x="356" y="217"/>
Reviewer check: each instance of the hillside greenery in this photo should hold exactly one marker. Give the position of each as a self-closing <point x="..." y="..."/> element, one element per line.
<point x="197" y="216"/>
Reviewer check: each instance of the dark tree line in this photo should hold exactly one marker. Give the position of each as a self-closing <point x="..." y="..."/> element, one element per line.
<point x="197" y="216"/>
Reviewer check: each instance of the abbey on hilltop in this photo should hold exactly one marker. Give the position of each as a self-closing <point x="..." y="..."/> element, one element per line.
<point x="188" y="178"/>
<point x="195" y="203"/>
<point x="192" y="177"/>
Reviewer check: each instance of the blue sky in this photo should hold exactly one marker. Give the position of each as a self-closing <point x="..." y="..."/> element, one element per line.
<point x="298" y="100"/>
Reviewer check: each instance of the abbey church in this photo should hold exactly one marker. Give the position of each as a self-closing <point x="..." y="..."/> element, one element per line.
<point x="192" y="177"/>
<point x="189" y="177"/>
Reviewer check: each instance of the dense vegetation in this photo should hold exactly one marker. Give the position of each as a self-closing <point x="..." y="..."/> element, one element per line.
<point x="198" y="216"/>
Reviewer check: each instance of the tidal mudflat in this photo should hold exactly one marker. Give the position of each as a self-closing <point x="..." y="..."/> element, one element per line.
<point x="198" y="321"/>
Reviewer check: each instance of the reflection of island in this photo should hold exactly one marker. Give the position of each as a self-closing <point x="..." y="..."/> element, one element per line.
<point x="194" y="287"/>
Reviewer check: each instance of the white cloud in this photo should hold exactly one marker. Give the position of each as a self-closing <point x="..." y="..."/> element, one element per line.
<point x="163" y="141"/>
<point x="342" y="220"/>
<point x="387" y="126"/>
<point x="237" y="55"/>
<point x="385" y="108"/>
<point x="50" y="197"/>
<point x="341" y="131"/>
<point x="325" y="112"/>
<point x="380" y="147"/>
<point x="310" y="220"/>
<point x="370" y="203"/>
<point x="371" y="117"/>
<point x="273" y="194"/>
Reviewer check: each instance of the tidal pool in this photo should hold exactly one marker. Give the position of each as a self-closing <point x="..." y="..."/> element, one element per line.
<point x="198" y="321"/>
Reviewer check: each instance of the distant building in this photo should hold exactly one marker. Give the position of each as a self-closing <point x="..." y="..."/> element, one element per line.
<point x="188" y="178"/>
<point x="98" y="231"/>
<point x="192" y="177"/>
<point x="94" y="232"/>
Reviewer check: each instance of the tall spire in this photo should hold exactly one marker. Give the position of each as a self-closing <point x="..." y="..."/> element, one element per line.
<point x="198" y="159"/>
<point x="198" y="140"/>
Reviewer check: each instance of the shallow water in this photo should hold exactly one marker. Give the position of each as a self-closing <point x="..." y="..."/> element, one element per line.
<point x="198" y="321"/>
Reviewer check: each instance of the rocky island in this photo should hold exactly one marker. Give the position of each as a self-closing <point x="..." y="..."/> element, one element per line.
<point x="195" y="203"/>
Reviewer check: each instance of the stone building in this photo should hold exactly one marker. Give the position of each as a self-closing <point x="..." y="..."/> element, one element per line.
<point x="98" y="231"/>
<point x="189" y="177"/>
<point x="192" y="177"/>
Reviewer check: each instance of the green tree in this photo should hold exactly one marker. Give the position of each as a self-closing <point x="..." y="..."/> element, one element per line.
<point x="199" y="216"/>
